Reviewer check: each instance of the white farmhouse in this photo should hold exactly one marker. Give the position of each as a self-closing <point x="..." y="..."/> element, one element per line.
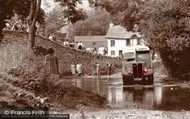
<point x="118" y="39"/>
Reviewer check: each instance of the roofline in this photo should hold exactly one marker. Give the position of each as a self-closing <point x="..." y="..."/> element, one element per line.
<point x="89" y="41"/>
<point x="92" y="36"/>
<point x="123" y="38"/>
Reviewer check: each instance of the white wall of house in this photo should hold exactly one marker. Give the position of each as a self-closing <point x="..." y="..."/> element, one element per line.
<point x="120" y="45"/>
<point x="114" y="50"/>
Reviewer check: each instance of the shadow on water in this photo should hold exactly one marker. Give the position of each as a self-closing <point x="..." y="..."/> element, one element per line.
<point x="173" y="98"/>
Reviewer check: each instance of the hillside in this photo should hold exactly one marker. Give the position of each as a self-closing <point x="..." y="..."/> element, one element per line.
<point x="21" y="70"/>
<point x="15" y="52"/>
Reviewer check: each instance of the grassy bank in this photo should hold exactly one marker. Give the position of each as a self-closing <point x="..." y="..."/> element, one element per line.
<point x="15" y="53"/>
<point x="27" y="91"/>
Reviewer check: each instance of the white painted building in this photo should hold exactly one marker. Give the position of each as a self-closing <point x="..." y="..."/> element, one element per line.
<point x="119" y="39"/>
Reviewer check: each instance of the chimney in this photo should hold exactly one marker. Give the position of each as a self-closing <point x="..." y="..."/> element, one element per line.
<point x="111" y="24"/>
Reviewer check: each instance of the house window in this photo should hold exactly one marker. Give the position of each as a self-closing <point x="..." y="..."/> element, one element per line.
<point x="128" y="42"/>
<point x="112" y="52"/>
<point x="139" y="42"/>
<point x="112" y="43"/>
<point x="120" y="53"/>
<point x="93" y="43"/>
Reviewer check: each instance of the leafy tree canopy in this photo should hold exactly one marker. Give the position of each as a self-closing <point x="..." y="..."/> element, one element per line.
<point x="8" y="8"/>
<point x="61" y="16"/>
<point x="165" y="24"/>
<point x="123" y="10"/>
<point x="70" y="10"/>
<point x="96" y="24"/>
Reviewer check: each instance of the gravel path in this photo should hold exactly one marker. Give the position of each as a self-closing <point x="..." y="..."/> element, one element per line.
<point x="131" y="114"/>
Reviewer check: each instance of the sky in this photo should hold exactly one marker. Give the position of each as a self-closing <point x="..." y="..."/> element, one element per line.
<point x="49" y="5"/>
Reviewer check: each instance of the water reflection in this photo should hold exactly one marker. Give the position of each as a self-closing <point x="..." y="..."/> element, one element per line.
<point x="137" y="96"/>
<point x="115" y="95"/>
<point x="157" y="97"/>
<point x="174" y="98"/>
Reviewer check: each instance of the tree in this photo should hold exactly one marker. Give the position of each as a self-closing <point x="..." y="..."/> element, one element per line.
<point x="32" y="19"/>
<point x="31" y="8"/>
<point x="165" y="23"/>
<point x="54" y="21"/>
<point x="71" y="13"/>
<point x="123" y="11"/>
<point x="97" y="23"/>
<point x="10" y="7"/>
<point x="64" y="14"/>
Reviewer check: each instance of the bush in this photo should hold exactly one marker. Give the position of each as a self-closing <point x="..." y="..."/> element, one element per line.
<point x="166" y="25"/>
<point x="178" y="64"/>
<point x="16" y="71"/>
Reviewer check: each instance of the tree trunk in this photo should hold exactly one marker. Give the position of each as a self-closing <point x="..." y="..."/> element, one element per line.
<point x="32" y="34"/>
<point x="1" y="29"/>
<point x="32" y="19"/>
<point x="1" y="35"/>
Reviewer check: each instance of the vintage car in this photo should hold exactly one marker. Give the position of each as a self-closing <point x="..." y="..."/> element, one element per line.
<point x="137" y="66"/>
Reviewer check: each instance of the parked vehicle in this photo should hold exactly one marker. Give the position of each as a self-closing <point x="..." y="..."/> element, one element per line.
<point x="137" y="66"/>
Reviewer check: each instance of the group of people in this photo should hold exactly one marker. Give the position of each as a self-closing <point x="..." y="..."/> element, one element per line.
<point x="108" y="68"/>
<point x="16" y="27"/>
<point x="52" y="37"/>
<point x="52" y="67"/>
<point x="66" y="43"/>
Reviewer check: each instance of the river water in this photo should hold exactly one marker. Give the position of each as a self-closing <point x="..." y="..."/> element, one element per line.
<point x="158" y="96"/>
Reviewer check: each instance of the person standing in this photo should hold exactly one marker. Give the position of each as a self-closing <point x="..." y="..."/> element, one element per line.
<point x="52" y="38"/>
<point x="80" y="45"/>
<point x="66" y="43"/>
<point x="51" y="64"/>
<point x="97" y="69"/>
<point x="109" y="68"/>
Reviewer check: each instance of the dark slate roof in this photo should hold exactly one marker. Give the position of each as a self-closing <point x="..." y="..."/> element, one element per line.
<point x="119" y="32"/>
<point x="64" y="29"/>
<point x="90" y="39"/>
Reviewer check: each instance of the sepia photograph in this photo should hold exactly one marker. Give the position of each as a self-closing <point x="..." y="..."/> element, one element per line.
<point x="95" y="59"/>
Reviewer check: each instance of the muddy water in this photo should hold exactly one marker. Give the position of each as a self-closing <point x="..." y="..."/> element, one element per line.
<point x="159" y="97"/>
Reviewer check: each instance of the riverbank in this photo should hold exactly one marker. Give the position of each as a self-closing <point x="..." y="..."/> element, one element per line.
<point x="78" y="103"/>
<point x="31" y="91"/>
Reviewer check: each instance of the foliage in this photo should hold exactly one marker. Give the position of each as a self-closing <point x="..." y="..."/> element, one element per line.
<point x="8" y="8"/>
<point x="112" y="6"/>
<point x="54" y="21"/>
<point x="164" y="23"/>
<point x="70" y="10"/>
<point x="122" y="11"/>
<point x="61" y="16"/>
<point x="96" y="24"/>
